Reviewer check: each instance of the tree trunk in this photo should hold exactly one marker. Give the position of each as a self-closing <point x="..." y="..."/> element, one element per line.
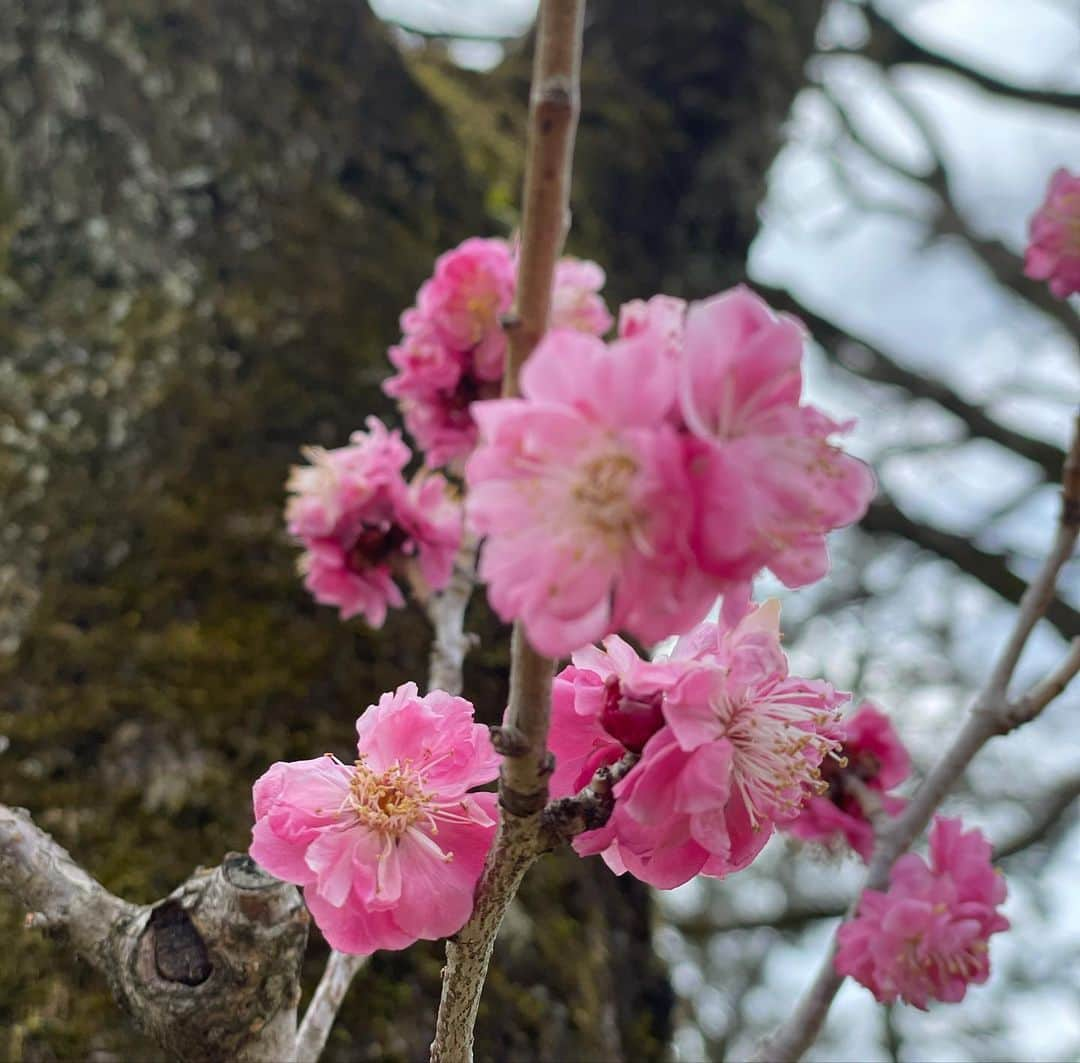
<point x="211" y="215"/>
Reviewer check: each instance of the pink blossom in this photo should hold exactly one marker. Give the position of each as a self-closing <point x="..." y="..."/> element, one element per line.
<point x="575" y="299"/>
<point x="926" y="937"/>
<point x="872" y="754"/>
<point x="606" y="703"/>
<point x="389" y="849"/>
<point x="453" y="347"/>
<point x="770" y="483"/>
<point x="661" y="317"/>
<point x="582" y="493"/>
<point x="740" y="744"/>
<point x="611" y="503"/>
<point x="361" y="523"/>
<point x="1054" y="251"/>
<point x="472" y="287"/>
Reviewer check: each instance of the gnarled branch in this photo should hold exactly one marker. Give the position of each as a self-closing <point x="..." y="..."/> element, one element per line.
<point x="212" y="971"/>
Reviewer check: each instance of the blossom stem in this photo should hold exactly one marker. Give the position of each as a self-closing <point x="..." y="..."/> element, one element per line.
<point x="992" y="713"/>
<point x="553" y="113"/>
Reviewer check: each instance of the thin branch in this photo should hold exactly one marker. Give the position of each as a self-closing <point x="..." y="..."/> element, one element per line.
<point x="590" y="808"/>
<point x="553" y="112"/>
<point x="1003" y="264"/>
<point x="992" y="570"/>
<point x="1049" y="815"/>
<point x="861" y="357"/>
<point x="1045" y="691"/>
<point x="793" y="916"/>
<point x="319" y="1018"/>
<point x="992" y="713"/>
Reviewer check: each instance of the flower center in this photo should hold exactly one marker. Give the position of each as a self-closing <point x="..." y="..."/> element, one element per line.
<point x="778" y="752"/>
<point x="468" y="389"/>
<point x="375" y="544"/>
<point x="1067" y="214"/>
<point x="388" y="802"/>
<point x="939" y="964"/>
<point x="483" y="308"/>
<point x="601" y="493"/>
<point x="630" y="719"/>
<point x="844" y="764"/>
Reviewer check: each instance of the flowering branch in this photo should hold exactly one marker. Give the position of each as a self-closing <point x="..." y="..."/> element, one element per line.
<point x="449" y="647"/>
<point x="992" y="713"/>
<point x="553" y="112"/>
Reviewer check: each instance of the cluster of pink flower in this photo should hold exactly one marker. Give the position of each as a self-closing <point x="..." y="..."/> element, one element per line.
<point x="454" y="346"/>
<point x="729" y="745"/>
<point x="871" y="761"/>
<point x="1054" y="251"/>
<point x="927" y="936"/>
<point x="361" y="523"/>
<point x="633" y="484"/>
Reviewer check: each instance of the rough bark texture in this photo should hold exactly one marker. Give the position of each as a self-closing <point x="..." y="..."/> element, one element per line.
<point x="210" y="216"/>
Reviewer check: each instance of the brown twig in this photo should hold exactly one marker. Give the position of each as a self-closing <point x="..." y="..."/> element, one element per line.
<point x="553" y="112"/>
<point x="992" y="713"/>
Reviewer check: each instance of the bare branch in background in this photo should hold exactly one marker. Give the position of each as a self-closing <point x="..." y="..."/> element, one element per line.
<point x="1004" y="265"/>
<point x="890" y="46"/>
<point x="860" y="357"/>
<point x="450" y="643"/>
<point x="992" y="713"/>
<point x="992" y="570"/>
<point x="1044" y="820"/>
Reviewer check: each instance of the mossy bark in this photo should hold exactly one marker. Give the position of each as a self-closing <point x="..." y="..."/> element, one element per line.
<point x="211" y="215"/>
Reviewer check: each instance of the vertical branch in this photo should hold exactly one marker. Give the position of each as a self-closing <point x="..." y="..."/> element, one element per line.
<point x="992" y="713"/>
<point x="554" y="103"/>
<point x="553" y="112"/>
